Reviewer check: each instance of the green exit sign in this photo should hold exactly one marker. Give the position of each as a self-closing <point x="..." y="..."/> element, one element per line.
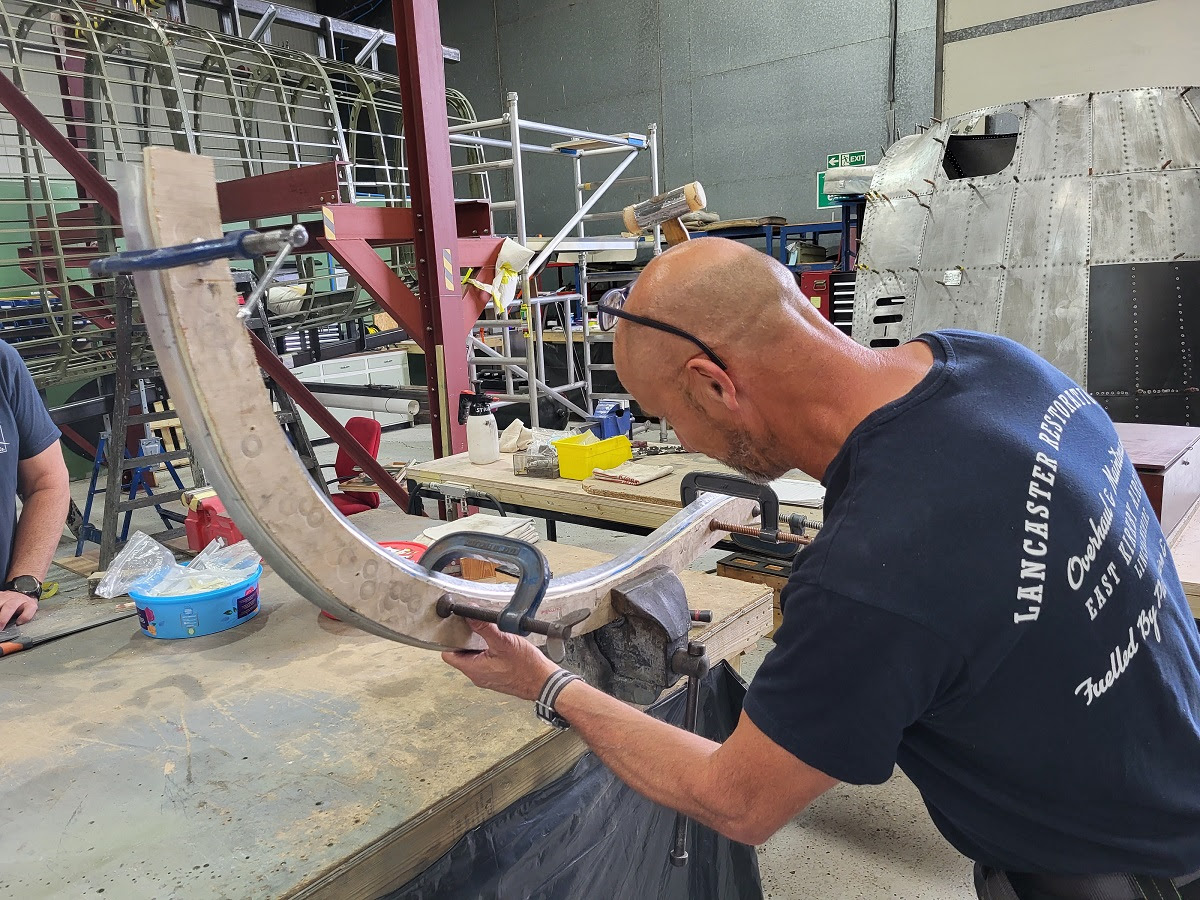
<point x="836" y="161"/>
<point x="857" y="158"/>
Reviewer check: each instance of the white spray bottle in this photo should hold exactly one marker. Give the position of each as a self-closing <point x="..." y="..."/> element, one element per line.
<point x="483" y="437"/>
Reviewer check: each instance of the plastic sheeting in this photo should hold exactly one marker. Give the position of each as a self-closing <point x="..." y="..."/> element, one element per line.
<point x="587" y="835"/>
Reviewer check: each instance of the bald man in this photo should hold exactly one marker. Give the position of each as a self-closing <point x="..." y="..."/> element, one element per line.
<point x="990" y="605"/>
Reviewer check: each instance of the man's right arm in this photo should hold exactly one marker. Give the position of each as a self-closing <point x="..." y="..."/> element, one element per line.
<point x="746" y="788"/>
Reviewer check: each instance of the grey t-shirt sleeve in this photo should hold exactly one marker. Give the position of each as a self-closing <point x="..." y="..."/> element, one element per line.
<point x="35" y="429"/>
<point x="843" y="682"/>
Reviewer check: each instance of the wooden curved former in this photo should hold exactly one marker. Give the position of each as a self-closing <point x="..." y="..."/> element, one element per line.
<point x="206" y="358"/>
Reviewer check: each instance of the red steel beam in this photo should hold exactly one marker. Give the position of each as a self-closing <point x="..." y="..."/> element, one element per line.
<point x="379" y="224"/>
<point x="431" y="188"/>
<point x="350" y="232"/>
<point x="293" y="191"/>
<point x="283" y="193"/>
<point x="385" y="226"/>
<point x="70" y="62"/>
<point x="95" y="311"/>
<point x="385" y="287"/>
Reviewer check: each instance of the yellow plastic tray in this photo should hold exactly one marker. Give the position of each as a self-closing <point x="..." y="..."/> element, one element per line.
<point x="576" y="459"/>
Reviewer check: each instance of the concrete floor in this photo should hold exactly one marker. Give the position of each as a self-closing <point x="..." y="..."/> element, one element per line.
<point x="854" y="842"/>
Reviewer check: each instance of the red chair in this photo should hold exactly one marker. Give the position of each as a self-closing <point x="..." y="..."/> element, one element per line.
<point x="367" y="432"/>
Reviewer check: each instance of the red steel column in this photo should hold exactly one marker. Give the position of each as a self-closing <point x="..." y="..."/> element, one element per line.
<point x="431" y="187"/>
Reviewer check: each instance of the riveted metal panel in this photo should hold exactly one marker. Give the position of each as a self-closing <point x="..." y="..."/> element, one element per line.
<point x="1051" y="223"/>
<point x="942" y="305"/>
<point x="1041" y="311"/>
<point x="1098" y="180"/>
<point x="909" y="162"/>
<point x="1144" y="328"/>
<point x="1110" y="134"/>
<point x="1152" y="216"/>
<point x="1058" y="138"/>
<point x="1063" y="315"/>
<point x="945" y="236"/>
<point x="1133" y="219"/>
<point x="1180" y="128"/>
<point x="1018" y="317"/>
<point x="1112" y="223"/>
<point x="1184" y="191"/>
<point x="1144" y="146"/>
<point x="895" y="242"/>
<point x="988" y="213"/>
<point x="887" y="316"/>
<point x="1145" y="130"/>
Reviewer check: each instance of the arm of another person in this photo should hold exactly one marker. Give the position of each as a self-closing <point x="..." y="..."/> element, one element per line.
<point x="745" y="788"/>
<point x="44" y="485"/>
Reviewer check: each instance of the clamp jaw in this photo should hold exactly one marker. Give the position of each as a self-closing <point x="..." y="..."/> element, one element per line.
<point x="519" y="617"/>
<point x="766" y="538"/>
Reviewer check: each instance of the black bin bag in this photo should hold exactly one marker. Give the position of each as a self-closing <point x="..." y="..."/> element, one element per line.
<point x="586" y="835"/>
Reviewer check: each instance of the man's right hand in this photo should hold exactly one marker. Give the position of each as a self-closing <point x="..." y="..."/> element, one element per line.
<point x="16" y="609"/>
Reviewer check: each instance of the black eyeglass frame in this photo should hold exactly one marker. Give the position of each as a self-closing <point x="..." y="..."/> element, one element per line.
<point x="663" y="326"/>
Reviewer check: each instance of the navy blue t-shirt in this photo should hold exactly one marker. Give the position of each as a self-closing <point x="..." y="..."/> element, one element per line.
<point x="25" y="430"/>
<point x="991" y="605"/>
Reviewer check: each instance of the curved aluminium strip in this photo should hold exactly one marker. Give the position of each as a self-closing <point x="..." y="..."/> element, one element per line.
<point x="206" y="358"/>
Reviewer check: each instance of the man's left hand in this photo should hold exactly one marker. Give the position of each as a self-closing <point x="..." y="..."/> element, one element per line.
<point x="16" y="609"/>
<point x="510" y="664"/>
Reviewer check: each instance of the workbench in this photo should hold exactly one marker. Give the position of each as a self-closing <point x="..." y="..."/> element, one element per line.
<point x="638" y="509"/>
<point x="290" y="756"/>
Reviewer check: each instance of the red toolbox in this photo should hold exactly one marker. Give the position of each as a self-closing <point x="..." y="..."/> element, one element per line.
<point x="815" y="286"/>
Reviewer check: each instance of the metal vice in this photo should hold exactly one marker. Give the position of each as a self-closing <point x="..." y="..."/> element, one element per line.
<point x="645" y="649"/>
<point x="635" y="657"/>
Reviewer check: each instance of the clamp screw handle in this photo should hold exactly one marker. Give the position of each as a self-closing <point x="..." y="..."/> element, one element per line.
<point x="557" y="633"/>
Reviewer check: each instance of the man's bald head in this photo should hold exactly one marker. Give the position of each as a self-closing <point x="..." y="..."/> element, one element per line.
<point x="734" y="298"/>
<point x="792" y="386"/>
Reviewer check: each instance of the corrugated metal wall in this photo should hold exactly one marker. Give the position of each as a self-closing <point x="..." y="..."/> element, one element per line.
<point x="750" y="95"/>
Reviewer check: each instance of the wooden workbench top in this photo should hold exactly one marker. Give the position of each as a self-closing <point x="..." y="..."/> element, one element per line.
<point x="646" y="505"/>
<point x="291" y="756"/>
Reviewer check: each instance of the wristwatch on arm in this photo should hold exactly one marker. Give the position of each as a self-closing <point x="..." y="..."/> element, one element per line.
<point x="544" y="705"/>
<point x="25" y="584"/>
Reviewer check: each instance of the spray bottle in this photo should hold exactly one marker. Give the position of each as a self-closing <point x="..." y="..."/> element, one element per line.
<point x="483" y="437"/>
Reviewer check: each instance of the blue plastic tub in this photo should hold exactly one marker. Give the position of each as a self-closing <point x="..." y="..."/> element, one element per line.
<point x="194" y="615"/>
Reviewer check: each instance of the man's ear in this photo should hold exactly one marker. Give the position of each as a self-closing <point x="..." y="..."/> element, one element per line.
<point x="708" y="384"/>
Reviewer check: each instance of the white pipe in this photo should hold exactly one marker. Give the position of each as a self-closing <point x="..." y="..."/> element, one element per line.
<point x="397" y="405"/>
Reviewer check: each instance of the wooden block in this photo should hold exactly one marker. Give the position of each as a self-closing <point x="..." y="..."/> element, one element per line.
<point x="759" y="570"/>
<point x="477" y="569"/>
<point x="756" y="222"/>
<point x="81" y="565"/>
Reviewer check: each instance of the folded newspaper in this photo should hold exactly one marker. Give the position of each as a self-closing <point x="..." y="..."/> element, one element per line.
<point x="519" y="527"/>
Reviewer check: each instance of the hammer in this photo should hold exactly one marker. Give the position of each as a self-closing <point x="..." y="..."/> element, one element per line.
<point x="667" y="210"/>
